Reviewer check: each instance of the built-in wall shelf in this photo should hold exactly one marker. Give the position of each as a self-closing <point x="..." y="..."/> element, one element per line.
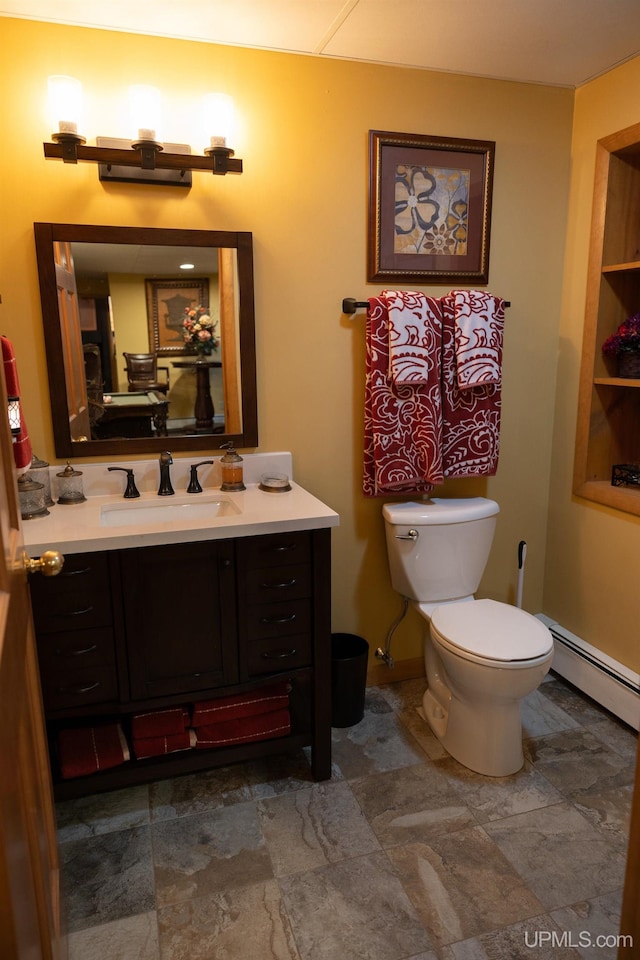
<point x="615" y="267"/>
<point x="617" y="381"/>
<point x="608" y="427"/>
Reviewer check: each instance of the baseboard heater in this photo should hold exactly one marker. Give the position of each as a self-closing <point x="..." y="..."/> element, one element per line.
<point x="609" y="683"/>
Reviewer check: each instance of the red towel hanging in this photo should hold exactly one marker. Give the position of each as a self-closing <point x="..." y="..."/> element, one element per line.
<point x="22" y="452"/>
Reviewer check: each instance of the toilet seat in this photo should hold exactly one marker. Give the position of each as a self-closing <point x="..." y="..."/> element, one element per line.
<point x="489" y="630"/>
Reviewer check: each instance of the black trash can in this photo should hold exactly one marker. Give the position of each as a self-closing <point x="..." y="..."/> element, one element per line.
<point x="349" y="658"/>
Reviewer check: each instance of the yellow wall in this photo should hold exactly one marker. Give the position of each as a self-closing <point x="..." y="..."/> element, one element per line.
<point x="592" y="551"/>
<point x="303" y="138"/>
<point x="129" y="308"/>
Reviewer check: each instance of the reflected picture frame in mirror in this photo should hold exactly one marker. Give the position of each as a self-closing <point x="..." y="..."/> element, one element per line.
<point x="77" y="415"/>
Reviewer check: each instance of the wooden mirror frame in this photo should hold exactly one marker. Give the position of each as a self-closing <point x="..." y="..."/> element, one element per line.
<point x="45" y="236"/>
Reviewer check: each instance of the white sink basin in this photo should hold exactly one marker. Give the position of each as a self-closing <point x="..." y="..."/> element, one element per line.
<point x="169" y="510"/>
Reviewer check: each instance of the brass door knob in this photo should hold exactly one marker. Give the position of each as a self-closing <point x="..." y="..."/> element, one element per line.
<point x="49" y="564"/>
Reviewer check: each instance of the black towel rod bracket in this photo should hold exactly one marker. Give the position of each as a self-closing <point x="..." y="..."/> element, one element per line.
<point x="349" y="305"/>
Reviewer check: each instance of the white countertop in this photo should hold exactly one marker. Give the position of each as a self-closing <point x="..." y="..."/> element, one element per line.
<point x="79" y="528"/>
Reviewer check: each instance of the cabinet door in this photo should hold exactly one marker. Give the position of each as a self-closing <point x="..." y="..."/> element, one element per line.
<point x="179" y="614"/>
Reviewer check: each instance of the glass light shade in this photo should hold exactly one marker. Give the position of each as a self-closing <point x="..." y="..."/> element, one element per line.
<point x="14" y="415"/>
<point x="218" y="119"/>
<point x="65" y="104"/>
<point x="145" y="112"/>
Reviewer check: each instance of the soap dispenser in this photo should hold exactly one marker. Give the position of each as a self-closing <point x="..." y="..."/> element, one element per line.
<point x="231" y="469"/>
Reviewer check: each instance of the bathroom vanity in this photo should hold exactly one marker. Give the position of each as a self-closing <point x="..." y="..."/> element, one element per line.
<point x="168" y="601"/>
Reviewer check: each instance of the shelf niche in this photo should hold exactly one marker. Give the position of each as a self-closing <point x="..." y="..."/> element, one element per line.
<point x="608" y="427"/>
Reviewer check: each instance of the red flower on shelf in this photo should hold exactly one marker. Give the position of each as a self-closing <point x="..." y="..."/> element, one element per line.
<point x="625" y="340"/>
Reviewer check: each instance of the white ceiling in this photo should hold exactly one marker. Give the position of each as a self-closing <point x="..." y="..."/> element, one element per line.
<point x="560" y="42"/>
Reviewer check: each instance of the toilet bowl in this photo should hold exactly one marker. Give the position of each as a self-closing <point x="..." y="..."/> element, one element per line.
<point x="481" y="656"/>
<point x="476" y="680"/>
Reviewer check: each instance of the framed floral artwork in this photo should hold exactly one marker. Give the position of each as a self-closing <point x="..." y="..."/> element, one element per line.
<point x="167" y="301"/>
<point x="429" y="208"/>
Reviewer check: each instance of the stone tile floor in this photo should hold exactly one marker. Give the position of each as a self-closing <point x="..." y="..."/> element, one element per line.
<point x="403" y="855"/>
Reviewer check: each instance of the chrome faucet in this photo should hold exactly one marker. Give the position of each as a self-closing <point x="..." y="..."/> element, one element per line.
<point x="165" y="489"/>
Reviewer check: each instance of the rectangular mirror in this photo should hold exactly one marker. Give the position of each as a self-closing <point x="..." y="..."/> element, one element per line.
<point x="122" y="378"/>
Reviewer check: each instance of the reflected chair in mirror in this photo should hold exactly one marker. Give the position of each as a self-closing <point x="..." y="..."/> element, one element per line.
<point x="142" y="373"/>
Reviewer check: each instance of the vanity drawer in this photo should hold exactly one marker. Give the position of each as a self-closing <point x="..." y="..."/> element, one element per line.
<point x="78" y="598"/>
<point x="279" y="619"/>
<point x="272" y="584"/>
<point x="272" y="654"/>
<point x="79" y="686"/>
<point x="276" y="549"/>
<point x="60" y="652"/>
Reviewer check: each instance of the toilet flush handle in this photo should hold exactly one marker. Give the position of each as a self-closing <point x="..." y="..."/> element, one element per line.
<point x="410" y="535"/>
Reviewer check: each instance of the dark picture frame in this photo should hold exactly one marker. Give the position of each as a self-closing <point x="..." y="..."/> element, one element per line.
<point x="429" y="208"/>
<point x="166" y="303"/>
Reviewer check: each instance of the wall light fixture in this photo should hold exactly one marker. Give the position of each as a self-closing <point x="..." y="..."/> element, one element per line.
<point x="143" y="159"/>
<point x="15" y="421"/>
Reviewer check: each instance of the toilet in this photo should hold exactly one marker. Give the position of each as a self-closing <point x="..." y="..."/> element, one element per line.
<point x="481" y="656"/>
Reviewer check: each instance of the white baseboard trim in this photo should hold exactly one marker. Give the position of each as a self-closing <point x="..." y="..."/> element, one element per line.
<point x="605" y="680"/>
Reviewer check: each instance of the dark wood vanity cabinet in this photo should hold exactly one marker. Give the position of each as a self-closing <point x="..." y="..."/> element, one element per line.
<point x="127" y="631"/>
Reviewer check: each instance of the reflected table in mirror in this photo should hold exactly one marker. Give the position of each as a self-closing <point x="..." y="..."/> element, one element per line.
<point x="136" y="414"/>
<point x="203" y="410"/>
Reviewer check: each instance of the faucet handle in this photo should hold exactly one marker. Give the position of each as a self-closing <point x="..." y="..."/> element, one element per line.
<point x="132" y="492"/>
<point x="194" y="483"/>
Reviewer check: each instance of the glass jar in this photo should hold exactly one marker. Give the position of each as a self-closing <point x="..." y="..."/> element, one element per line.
<point x="31" y="496"/>
<point x="70" y="485"/>
<point x="39" y="471"/>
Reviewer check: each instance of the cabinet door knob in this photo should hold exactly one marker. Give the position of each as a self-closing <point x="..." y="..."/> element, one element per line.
<point x="49" y="564"/>
<point x="278" y="654"/>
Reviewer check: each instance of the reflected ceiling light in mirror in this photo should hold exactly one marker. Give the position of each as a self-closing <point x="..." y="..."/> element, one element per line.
<point x="146" y="153"/>
<point x="187" y="266"/>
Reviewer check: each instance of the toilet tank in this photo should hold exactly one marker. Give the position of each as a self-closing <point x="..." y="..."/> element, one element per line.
<point x="446" y="560"/>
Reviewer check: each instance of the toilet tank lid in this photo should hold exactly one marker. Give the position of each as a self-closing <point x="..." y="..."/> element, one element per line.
<point x="439" y="511"/>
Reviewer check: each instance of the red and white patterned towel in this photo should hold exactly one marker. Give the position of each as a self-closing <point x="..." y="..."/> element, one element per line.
<point x="22" y="453"/>
<point x="402" y="423"/>
<point x="414" y="335"/>
<point x="470" y="417"/>
<point x="479" y="321"/>
<point x="420" y="425"/>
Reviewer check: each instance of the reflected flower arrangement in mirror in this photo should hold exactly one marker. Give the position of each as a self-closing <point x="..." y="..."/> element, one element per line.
<point x="200" y="331"/>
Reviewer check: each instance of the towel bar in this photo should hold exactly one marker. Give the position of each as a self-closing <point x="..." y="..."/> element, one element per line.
<point x="349" y="305"/>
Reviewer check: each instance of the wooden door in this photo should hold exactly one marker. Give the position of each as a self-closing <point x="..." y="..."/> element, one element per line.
<point x="629" y="946"/>
<point x="29" y="907"/>
<point x="77" y="402"/>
